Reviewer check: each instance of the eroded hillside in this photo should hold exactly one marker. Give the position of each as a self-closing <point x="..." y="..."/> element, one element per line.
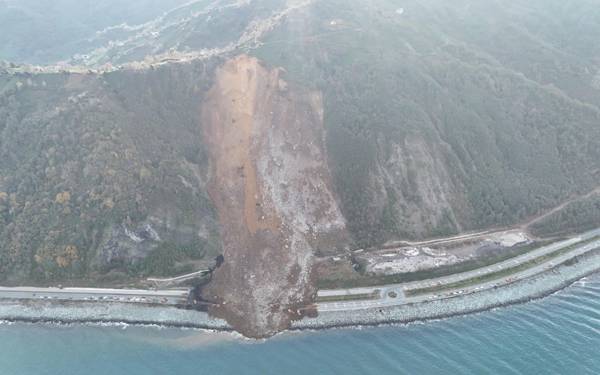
<point x="271" y="187"/>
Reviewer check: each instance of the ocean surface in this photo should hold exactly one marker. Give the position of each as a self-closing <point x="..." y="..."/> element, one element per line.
<point x="557" y="335"/>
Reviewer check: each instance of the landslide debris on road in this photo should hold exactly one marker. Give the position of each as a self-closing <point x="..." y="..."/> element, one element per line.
<point x="272" y="189"/>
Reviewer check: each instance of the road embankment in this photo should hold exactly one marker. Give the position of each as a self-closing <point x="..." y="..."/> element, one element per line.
<point x="65" y="312"/>
<point x="525" y="290"/>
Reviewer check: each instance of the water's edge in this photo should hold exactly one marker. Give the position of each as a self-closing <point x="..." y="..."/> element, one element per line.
<point x="536" y="287"/>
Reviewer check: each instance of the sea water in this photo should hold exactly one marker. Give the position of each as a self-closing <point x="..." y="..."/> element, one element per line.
<point x="557" y="335"/>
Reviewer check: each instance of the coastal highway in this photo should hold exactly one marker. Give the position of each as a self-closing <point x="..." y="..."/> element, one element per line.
<point x="165" y="297"/>
<point x="394" y="294"/>
<point x="389" y="295"/>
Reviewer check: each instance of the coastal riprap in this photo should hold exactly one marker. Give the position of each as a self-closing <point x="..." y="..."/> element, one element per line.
<point x="556" y="335"/>
<point x="521" y="291"/>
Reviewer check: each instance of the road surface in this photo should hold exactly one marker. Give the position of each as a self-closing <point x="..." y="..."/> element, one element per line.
<point x="390" y="295"/>
<point x="165" y="297"/>
<point x="398" y="297"/>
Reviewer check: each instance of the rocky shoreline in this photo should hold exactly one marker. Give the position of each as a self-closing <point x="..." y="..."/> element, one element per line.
<point x="523" y="291"/>
<point x="539" y="286"/>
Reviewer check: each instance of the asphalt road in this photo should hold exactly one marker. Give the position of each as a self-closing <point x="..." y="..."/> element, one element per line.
<point x="166" y="297"/>
<point x="400" y="297"/>
<point x="389" y="294"/>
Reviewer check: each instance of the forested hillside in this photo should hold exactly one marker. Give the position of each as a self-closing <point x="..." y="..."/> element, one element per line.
<point x="103" y="173"/>
<point x="431" y="128"/>
<point x="437" y="117"/>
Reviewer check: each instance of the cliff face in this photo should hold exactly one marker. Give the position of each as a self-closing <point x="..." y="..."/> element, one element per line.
<point x="271" y="186"/>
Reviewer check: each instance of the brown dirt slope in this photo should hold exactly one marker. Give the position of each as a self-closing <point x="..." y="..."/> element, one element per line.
<point x="272" y="190"/>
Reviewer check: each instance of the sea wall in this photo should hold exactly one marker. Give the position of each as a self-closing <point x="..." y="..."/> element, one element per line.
<point x="538" y="286"/>
<point x="95" y="312"/>
<point x="526" y="290"/>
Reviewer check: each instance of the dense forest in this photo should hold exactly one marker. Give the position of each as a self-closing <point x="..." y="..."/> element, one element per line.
<point x="431" y="128"/>
<point x="439" y="117"/>
<point x="576" y="217"/>
<point x="102" y="173"/>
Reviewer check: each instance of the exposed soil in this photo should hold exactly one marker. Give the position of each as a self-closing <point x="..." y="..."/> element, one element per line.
<point x="271" y="187"/>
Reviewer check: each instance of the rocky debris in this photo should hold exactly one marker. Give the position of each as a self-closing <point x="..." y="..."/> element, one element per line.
<point x="405" y="260"/>
<point x="271" y="187"/>
<point x="509" y="239"/>
<point x="127" y="243"/>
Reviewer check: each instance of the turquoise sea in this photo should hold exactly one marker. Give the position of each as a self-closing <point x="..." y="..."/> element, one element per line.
<point x="556" y="335"/>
